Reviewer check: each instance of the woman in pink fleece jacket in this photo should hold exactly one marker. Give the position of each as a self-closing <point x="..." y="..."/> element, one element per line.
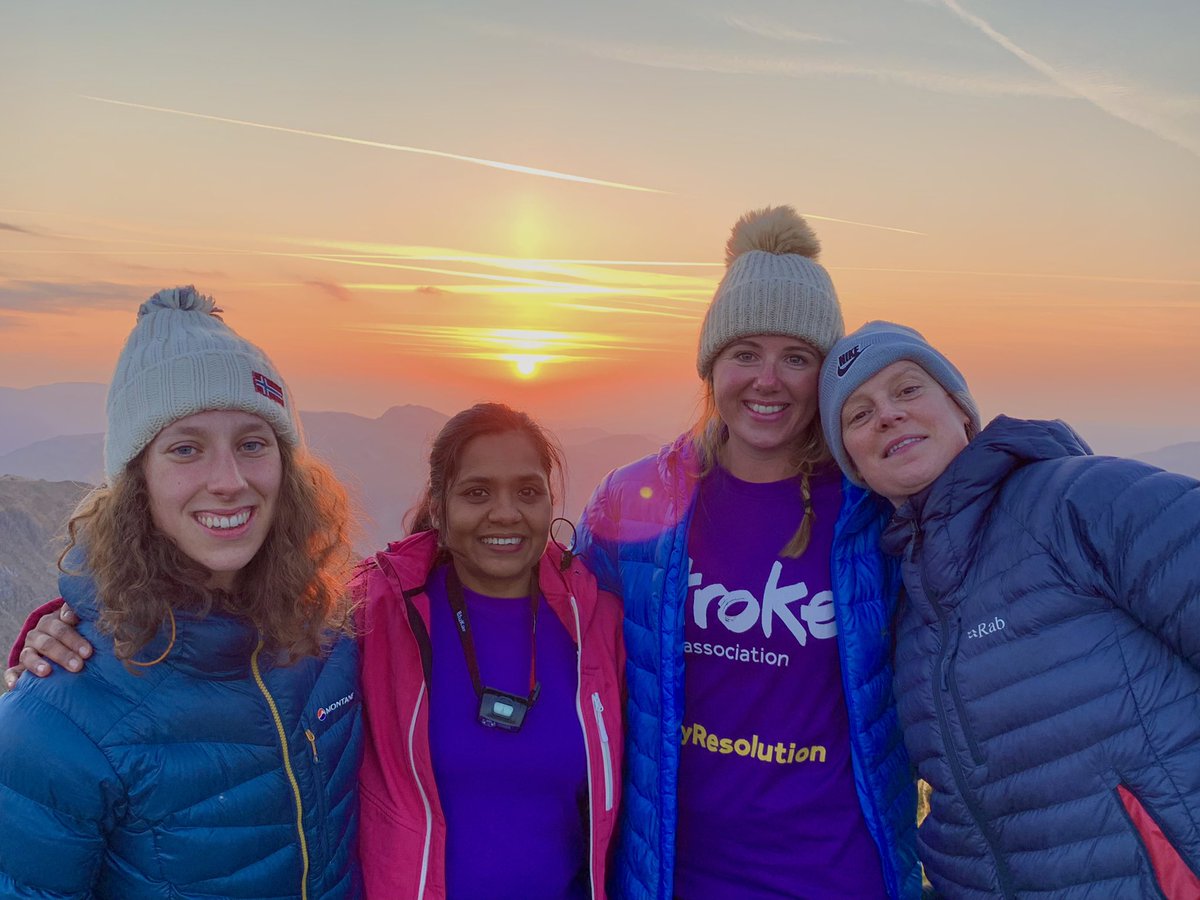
<point x="455" y="802"/>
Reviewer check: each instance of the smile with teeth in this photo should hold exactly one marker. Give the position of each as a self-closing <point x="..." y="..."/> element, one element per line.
<point x="209" y="520"/>
<point x="765" y="409"/>
<point x="901" y="445"/>
<point x="502" y="541"/>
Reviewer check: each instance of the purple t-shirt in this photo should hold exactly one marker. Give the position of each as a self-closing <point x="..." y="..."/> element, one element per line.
<point x="516" y="803"/>
<point x="767" y="805"/>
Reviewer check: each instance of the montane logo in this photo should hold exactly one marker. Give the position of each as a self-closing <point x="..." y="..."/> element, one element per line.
<point x="997" y="624"/>
<point x="326" y="710"/>
<point x="846" y="360"/>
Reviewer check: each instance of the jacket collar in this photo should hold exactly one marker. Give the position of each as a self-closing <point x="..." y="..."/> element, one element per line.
<point x="950" y="514"/>
<point x="215" y="646"/>
<point x="406" y="565"/>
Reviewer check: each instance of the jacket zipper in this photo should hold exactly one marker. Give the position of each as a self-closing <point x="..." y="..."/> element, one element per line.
<point x="412" y="761"/>
<point x="389" y="573"/>
<point x="587" y="750"/>
<point x="605" y="750"/>
<point x="287" y="767"/>
<point x="950" y="682"/>
<point x="322" y="801"/>
<point x="960" y="778"/>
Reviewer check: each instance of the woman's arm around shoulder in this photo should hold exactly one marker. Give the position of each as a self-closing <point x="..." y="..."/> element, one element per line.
<point x="48" y="636"/>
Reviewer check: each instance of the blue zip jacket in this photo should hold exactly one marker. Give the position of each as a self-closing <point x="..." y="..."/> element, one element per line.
<point x="633" y="536"/>
<point x="1048" y="669"/>
<point x="215" y="773"/>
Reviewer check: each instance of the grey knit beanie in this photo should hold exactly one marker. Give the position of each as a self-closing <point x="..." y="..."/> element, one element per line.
<point x="181" y="359"/>
<point x="773" y="284"/>
<point x="859" y="356"/>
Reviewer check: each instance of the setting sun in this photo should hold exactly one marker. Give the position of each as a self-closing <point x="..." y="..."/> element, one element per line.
<point x="526" y="364"/>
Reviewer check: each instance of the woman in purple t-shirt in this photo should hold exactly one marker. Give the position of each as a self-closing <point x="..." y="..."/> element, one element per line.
<point x="762" y="757"/>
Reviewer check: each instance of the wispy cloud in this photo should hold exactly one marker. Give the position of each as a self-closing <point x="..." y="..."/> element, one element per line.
<point x="777" y="31"/>
<point x="1059" y="276"/>
<point x="1116" y="100"/>
<point x="57" y="296"/>
<point x="790" y="67"/>
<point x="332" y="289"/>
<point x="525" y="349"/>
<point x="7" y="226"/>
<point x="423" y="151"/>
<point x="787" y="66"/>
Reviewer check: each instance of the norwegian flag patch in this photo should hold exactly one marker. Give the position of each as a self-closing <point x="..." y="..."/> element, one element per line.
<point x="268" y="388"/>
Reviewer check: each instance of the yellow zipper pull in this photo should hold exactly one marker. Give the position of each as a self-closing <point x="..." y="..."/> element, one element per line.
<point x="312" y="740"/>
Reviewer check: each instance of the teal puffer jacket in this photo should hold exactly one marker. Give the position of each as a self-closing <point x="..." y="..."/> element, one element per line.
<point x="633" y="536"/>
<point x="215" y="773"/>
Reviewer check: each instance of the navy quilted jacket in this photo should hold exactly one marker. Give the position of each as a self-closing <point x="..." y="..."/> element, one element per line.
<point x="1048" y="669"/>
<point x="212" y="774"/>
<point x="634" y="538"/>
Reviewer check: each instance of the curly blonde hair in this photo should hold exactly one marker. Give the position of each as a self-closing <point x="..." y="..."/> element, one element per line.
<point x="293" y="590"/>
<point x="710" y="433"/>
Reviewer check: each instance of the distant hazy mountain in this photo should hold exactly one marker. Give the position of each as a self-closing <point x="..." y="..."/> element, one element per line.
<point x="33" y="414"/>
<point x="68" y="457"/>
<point x="1182" y="458"/>
<point x="32" y="513"/>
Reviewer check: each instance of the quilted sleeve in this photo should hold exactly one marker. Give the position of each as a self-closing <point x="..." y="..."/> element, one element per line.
<point x="597" y="545"/>
<point x="1135" y="538"/>
<point x="59" y="799"/>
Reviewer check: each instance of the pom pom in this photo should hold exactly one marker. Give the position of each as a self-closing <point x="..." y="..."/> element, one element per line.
<point x="185" y="298"/>
<point x="775" y="229"/>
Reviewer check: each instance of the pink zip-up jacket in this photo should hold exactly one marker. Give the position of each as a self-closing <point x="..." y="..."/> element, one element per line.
<point x="402" y="831"/>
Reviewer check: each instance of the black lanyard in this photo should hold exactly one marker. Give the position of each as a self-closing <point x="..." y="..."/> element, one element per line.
<point x="497" y="709"/>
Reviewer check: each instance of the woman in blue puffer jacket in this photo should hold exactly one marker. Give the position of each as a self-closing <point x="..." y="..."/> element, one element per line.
<point x="1047" y="662"/>
<point x="211" y="747"/>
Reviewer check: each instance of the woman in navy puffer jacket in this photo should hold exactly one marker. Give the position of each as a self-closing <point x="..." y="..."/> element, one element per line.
<point x="211" y="747"/>
<point x="1047" y="665"/>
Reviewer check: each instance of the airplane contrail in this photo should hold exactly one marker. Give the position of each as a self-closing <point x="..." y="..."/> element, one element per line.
<point x="1103" y="101"/>
<point x="863" y="224"/>
<point x="490" y="163"/>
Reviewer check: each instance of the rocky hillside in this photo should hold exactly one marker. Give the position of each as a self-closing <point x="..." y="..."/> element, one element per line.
<point x="32" y="514"/>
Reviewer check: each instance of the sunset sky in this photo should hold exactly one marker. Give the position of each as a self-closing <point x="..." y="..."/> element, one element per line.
<point x="438" y="203"/>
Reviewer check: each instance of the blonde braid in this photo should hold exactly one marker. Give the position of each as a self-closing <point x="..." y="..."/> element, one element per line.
<point x="799" y="542"/>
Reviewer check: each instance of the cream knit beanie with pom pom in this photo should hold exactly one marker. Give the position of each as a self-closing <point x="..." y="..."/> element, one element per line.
<point x="773" y="284"/>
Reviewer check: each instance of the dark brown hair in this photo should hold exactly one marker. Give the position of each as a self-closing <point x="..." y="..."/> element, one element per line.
<point x="447" y="449"/>
<point x="293" y="590"/>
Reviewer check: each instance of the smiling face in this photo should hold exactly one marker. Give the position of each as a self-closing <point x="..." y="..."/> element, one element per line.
<point x="765" y="391"/>
<point x="214" y="480"/>
<point x="901" y="430"/>
<point x="498" y="513"/>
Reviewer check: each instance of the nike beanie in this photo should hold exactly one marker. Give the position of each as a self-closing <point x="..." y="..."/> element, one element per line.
<point x="859" y="356"/>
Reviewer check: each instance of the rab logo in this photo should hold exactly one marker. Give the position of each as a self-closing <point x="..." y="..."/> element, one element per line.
<point x="326" y="710"/>
<point x="846" y="360"/>
<point x="997" y="624"/>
